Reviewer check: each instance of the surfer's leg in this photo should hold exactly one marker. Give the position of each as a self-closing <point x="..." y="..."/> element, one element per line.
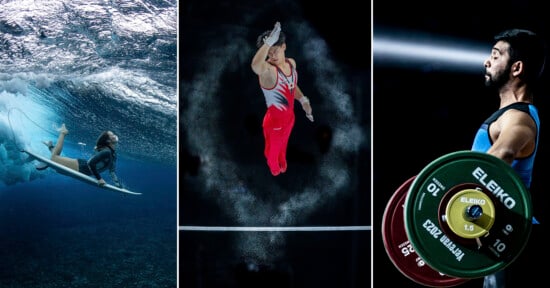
<point x="65" y="161"/>
<point x="49" y="144"/>
<point x="56" y="151"/>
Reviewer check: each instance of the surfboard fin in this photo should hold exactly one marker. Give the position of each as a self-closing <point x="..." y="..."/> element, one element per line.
<point x="41" y="166"/>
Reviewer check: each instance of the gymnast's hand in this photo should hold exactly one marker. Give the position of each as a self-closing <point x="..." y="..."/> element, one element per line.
<point x="307" y="107"/>
<point x="274" y="35"/>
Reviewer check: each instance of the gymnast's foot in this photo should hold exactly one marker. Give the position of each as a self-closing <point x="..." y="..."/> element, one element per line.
<point x="283" y="167"/>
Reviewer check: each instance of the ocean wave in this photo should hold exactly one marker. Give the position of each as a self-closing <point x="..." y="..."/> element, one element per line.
<point x="93" y="65"/>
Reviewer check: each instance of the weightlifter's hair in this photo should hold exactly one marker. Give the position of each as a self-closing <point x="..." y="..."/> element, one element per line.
<point x="528" y="47"/>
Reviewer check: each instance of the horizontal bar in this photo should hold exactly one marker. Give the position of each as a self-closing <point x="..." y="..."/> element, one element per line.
<point x="273" y="229"/>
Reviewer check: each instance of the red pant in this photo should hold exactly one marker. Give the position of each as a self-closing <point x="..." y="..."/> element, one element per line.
<point x="277" y="128"/>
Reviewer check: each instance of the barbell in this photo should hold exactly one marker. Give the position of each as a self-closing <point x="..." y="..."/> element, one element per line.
<point x="466" y="215"/>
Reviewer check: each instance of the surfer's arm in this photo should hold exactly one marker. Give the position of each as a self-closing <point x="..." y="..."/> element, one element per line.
<point x="114" y="177"/>
<point x="97" y="158"/>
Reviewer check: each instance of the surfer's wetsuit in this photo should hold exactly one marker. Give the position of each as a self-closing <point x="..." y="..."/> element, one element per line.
<point x="104" y="159"/>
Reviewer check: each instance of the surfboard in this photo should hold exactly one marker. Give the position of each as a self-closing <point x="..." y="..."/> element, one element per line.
<point x="75" y="174"/>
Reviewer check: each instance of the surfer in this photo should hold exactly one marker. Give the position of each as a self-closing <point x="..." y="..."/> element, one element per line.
<point x="103" y="159"/>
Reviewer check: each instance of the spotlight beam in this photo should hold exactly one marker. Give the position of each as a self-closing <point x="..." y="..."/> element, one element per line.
<point x="388" y="51"/>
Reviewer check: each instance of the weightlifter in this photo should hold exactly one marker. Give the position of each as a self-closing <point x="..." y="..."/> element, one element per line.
<point x="512" y="132"/>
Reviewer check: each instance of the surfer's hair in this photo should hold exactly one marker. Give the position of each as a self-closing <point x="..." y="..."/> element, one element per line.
<point x="103" y="140"/>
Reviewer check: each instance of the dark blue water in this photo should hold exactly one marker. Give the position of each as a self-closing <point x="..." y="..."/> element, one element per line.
<point x="60" y="232"/>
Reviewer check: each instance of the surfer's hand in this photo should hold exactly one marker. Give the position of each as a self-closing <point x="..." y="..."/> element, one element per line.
<point x="101" y="182"/>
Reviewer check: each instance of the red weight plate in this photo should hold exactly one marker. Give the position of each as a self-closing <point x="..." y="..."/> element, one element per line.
<point x="400" y="250"/>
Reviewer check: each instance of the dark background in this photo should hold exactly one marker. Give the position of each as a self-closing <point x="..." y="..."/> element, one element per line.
<point x="411" y="105"/>
<point x="424" y="111"/>
<point x="312" y="259"/>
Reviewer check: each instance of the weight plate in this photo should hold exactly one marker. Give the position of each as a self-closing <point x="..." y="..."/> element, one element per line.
<point x="443" y="207"/>
<point x="401" y="252"/>
<point x="491" y="252"/>
<point x="470" y="213"/>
